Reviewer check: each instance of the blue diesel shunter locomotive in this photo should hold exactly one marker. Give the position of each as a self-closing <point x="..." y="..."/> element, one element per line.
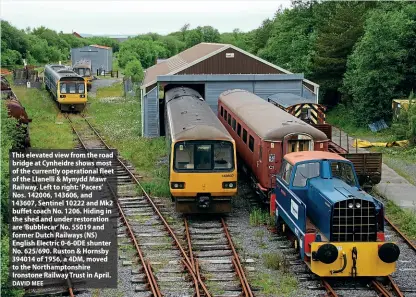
<point x="336" y="226"/>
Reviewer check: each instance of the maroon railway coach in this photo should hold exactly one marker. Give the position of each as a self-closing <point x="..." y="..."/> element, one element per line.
<point x="264" y="134"/>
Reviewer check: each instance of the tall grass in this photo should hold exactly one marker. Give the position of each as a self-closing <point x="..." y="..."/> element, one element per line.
<point x="47" y="130"/>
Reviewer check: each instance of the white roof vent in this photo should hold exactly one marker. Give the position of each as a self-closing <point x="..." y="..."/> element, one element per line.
<point x="229" y="55"/>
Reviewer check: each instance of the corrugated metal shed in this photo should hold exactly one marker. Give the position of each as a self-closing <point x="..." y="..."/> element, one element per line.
<point x="263" y="85"/>
<point x="99" y="55"/>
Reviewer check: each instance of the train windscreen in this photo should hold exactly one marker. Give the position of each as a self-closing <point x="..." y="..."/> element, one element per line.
<point x="72" y="87"/>
<point x="344" y="172"/>
<point x="215" y="156"/>
<point x="83" y="71"/>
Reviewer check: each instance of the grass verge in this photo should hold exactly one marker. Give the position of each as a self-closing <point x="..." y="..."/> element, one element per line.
<point x="119" y="121"/>
<point x="276" y="285"/>
<point x="47" y="130"/>
<point x="115" y="90"/>
<point x="404" y="219"/>
<point x="261" y="217"/>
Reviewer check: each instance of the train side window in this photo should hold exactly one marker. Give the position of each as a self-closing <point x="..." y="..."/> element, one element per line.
<point x="234" y="123"/>
<point x="244" y="135"/>
<point x="305" y="172"/>
<point x="225" y="114"/>
<point x="222" y="111"/>
<point x="239" y="129"/>
<point x="229" y="119"/>
<point x="286" y="172"/>
<point x="251" y="143"/>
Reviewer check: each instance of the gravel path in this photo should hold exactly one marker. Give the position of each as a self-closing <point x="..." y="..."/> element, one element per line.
<point x="100" y="83"/>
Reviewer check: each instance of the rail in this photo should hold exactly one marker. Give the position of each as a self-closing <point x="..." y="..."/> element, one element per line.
<point x="237" y="264"/>
<point x="146" y="266"/>
<point x="328" y="288"/>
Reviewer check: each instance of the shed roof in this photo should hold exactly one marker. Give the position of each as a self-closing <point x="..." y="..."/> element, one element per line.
<point x="100" y="46"/>
<point x="194" y="55"/>
<point x="267" y="121"/>
<point x="288" y="99"/>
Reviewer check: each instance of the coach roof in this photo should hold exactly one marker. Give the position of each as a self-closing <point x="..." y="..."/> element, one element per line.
<point x="191" y="118"/>
<point x="266" y="120"/>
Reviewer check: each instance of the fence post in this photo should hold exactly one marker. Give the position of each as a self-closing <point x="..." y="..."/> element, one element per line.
<point x="117" y="73"/>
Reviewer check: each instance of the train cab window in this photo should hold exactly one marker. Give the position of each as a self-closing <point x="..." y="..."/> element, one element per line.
<point x="225" y="114"/>
<point x="87" y="72"/>
<point x="229" y="119"/>
<point x="222" y="111"/>
<point x="239" y="129"/>
<point x="234" y="124"/>
<point x="305" y="114"/>
<point x="81" y="88"/>
<point x="286" y="172"/>
<point x="203" y="157"/>
<point x="251" y="143"/>
<point x="244" y="135"/>
<point x="344" y="172"/>
<point x="223" y="155"/>
<point x="299" y="145"/>
<point x="184" y="156"/>
<point x="304" y="172"/>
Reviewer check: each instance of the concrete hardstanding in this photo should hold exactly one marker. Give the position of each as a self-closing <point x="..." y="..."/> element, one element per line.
<point x="100" y="57"/>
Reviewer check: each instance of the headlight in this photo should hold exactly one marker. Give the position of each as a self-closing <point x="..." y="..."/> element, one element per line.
<point x="177" y="185"/>
<point x="357" y="205"/>
<point x="229" y="185"/>
<point x="62" y="96"/>
<point x="350" y="205"/>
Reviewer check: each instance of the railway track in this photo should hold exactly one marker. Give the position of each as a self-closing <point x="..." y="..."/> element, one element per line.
<point x="164" y="267"/>
<point x="213" y="254"/>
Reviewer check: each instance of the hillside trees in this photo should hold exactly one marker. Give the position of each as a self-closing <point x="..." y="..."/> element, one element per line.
<point x="339" y="26"/>
<point x="379" y="64"/>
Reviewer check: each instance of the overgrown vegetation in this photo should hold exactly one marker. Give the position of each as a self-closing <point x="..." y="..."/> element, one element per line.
<point x="43" y="111"/>
<point x="404" y="219"/>
<point x="273" y="285"/>
<point x="261" y="217"/>
<point x="119" y="121"/>
<point x="9" y="138"/>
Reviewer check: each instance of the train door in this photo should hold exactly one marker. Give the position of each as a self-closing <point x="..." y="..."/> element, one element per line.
<point x="298" y="143"/>
<point x="272" y="158"/>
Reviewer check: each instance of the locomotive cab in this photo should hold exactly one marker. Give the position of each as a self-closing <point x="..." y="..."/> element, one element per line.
<point x="338" y="227"/>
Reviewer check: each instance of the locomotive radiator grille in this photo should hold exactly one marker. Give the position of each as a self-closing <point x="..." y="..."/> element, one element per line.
<point x="354" y="220"/>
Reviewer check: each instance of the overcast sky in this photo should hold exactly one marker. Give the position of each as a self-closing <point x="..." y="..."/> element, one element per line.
<point x="137" y="16"/>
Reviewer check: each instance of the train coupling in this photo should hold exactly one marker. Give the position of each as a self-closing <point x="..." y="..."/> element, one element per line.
<point x="203" y="201"/>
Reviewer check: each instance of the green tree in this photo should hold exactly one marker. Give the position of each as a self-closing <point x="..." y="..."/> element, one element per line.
<point x="377" y="66"/>
<point x="210" y="34"/>
<point x="184" y="29"/>
<point x="193" y="37"/>
<point x="134" y="70"/>
<point x="11" y="57"/>
<point x="340" y="25"/>
<point x="291" y="40"/>
<point x="13" y="39"/>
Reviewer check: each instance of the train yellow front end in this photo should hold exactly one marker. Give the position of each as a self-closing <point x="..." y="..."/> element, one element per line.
<point x="360" y="259"/>
<point x="72" y="93"/>
<point x="202" y="155"/>
<point x="203" y="176"/>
